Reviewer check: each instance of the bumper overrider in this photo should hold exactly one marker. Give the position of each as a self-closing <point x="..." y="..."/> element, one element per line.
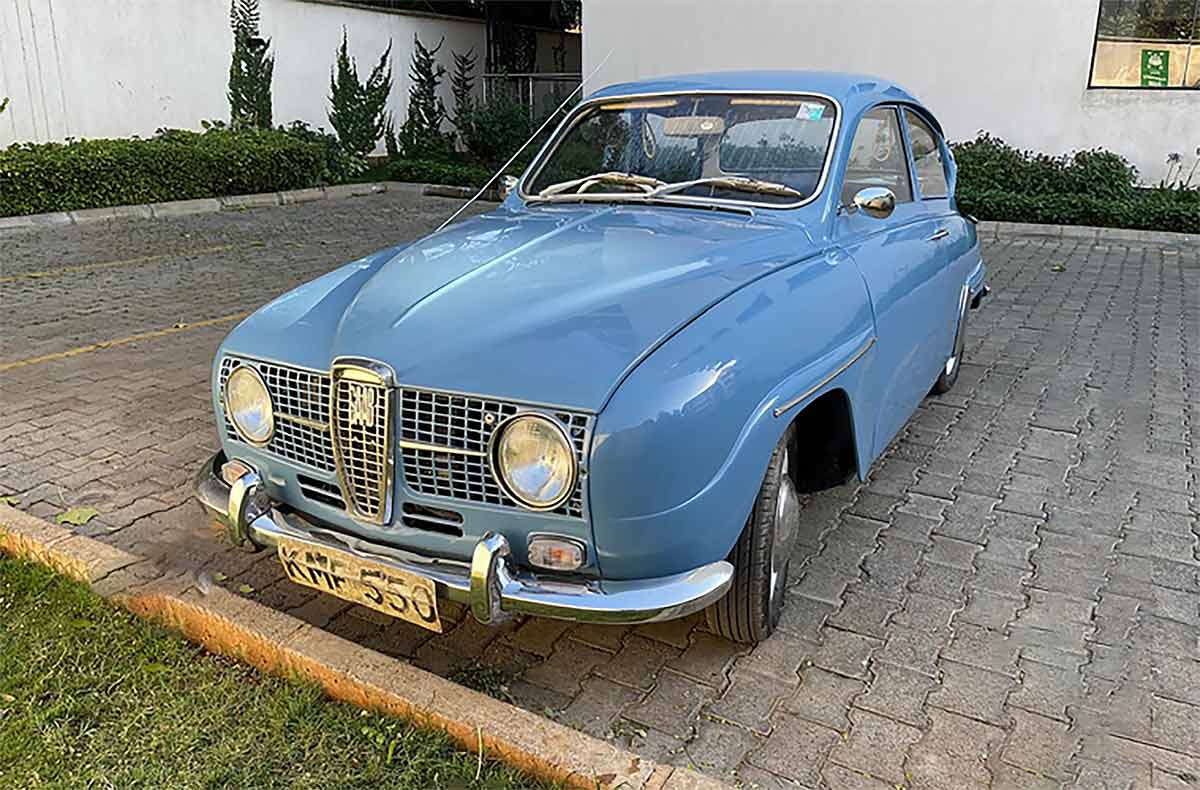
<point x="488" y="584"/>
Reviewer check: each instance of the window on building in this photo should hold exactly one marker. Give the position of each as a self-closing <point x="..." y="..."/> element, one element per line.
<point x="877" y="157"/>
<point x="1147" y="44"/>
<point x="927" y="155"/>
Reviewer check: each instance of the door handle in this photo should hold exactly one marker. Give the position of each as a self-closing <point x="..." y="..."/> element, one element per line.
<point x="939" y="235"/>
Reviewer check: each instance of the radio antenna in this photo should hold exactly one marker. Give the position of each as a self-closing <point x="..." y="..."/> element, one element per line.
<point x="520" y="150"/>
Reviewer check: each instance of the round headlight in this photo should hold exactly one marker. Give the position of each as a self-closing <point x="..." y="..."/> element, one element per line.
<point x="534" y="461"/>
<point x="249" y="405"/>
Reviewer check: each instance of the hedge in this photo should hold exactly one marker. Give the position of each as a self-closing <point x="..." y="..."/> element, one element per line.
<point x="424" y="171"/>
<point x="1096" y="188"/>
<point x="172" y="165"/>
<point x="1156" y="210"/>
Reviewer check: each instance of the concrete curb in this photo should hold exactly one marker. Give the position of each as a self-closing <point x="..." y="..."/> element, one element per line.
<point x="995" y="231"/>
<point x="278" y="643"/>
<point x="183" y="208"/>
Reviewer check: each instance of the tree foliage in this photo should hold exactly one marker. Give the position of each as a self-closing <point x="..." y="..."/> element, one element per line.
<point x="357" y="109"/>
<point x="462" y="84"/>
<point x="250" y="70"/>
<point x="421" y="136"/>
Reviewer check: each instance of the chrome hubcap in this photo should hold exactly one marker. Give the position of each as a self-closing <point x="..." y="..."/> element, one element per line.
<point x="787" y="522"/>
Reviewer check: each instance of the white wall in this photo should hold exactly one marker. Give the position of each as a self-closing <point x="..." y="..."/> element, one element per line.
<point x="113" y="68"/>
<point x="1016" y="68"/>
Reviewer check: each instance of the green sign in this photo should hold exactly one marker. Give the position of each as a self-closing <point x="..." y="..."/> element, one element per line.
<point x="1156" y="68"/>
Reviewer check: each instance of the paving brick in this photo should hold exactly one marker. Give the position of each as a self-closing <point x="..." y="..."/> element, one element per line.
<point x="863" y="613"/>
<point x="779" y="658"/>
<point x="566" y="667"/>
<point x="539" y="635"/>
<point x="748" y="701"/>
<point x="983" y="648"/>
<point x="1039" y="746"/>
<point x="718" y="748"/>
<point x="638" y="662"/>
<point x="845" y="652"/>
<point x="597" y="706"/>
<point x="672" y="706"/>
<point x="824" y="698"/>
<point x="973" y="692"/>
<point x="796" y="749"/>
<point x="877" y="746"/>
<point x="897" y="692"/>
<point x="707" y="658"/>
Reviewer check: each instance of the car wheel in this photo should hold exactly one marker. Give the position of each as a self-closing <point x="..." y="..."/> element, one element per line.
<point x="750" y="610"/>
<point x="949" y="375"/>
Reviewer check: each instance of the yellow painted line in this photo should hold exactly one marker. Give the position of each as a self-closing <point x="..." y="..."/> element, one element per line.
<point x="74" y="352"/>
<point x="88" y="267"/>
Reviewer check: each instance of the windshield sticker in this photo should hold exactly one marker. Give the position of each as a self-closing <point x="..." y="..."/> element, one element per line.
<point x="811" y="111"/>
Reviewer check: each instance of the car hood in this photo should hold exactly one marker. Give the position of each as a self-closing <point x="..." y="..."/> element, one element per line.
<point x="553" y="304"/>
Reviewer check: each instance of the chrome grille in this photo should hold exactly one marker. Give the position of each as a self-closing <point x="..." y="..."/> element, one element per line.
<point x="301" y="400"/>
<point x="361" y="430"/>
<point x="444" y="438"/>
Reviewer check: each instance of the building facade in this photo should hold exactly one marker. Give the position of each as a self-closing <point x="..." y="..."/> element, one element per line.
<point x="1050" y="75"/>
<point x="115" y="68"/>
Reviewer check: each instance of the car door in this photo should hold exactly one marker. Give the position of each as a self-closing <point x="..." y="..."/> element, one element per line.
<point x="899" y="261"/>
<point x="950" y="236"/>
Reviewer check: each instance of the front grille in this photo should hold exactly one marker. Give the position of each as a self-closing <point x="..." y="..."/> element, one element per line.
<point x="453" y="432"/>
<point x="444" y="438"/>
<point x="361" y="428"/>
<point x="301" y="400"/>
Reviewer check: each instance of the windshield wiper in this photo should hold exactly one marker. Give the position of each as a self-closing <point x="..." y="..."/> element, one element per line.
<point x="738" y="183"/>
<point x="645" y="184"/>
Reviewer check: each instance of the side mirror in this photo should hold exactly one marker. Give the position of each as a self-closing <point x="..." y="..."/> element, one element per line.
<point x="507" y="185"/>
<point x="877" y="202"/>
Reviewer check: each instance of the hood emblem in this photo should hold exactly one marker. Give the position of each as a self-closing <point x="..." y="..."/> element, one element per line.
<point x="361" y="405"/>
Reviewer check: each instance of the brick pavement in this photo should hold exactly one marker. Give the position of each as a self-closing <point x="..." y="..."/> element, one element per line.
<point x="1012" y="600"/>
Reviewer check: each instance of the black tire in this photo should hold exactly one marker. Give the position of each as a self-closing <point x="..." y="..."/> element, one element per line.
<point x="750" y="610"/>
<point x="949" y="374"/>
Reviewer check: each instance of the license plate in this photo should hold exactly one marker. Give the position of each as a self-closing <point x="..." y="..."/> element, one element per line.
<point x="374" y="585"/>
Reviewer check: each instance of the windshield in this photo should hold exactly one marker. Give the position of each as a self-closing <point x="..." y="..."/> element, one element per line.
<point x="739" y="147"/>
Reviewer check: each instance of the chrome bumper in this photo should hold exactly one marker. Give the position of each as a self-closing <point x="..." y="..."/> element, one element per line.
<point x="488" y="583"/>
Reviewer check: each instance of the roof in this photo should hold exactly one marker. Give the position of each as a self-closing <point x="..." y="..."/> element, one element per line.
<point x="856" y="92"/>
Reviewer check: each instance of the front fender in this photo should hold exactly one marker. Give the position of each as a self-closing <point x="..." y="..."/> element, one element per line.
<point x="680" y="450"/>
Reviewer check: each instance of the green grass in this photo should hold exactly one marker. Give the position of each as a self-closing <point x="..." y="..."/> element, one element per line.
<point x="91" y="696"/>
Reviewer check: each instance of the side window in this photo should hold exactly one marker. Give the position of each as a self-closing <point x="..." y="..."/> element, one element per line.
<point x="877" y="157"/>
<point x="927" y="155"/>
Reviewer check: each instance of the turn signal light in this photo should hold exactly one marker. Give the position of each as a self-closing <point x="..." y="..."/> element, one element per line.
<point x="556" y="554"/>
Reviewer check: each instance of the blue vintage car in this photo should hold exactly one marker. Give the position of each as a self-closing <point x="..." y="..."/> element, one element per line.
<point x="707" y="296"/>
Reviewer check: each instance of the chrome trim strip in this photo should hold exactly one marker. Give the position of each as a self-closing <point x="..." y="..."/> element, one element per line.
<point x="307" y="423"/>
<point x="820" y="384"/>
<point x="271" y="361"/>
<point x="543" y="155"/>
<point x="437" y="448"/>
<point x="502" y="398"/>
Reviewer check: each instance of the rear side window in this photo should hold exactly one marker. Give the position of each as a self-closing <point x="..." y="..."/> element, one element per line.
<point x="927" y="155"/>
<point x="877" y="157"/>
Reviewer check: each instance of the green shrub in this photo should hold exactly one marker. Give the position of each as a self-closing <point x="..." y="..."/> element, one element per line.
<point x="424" y="171"/>
<point x="339" y="164"/>
<point x="493" y="130"/>
<point x="988" y="163"/>
<point x="173" y="165"/>
<point x="1154" y="210"/>
<point x="1095" y="188"/>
